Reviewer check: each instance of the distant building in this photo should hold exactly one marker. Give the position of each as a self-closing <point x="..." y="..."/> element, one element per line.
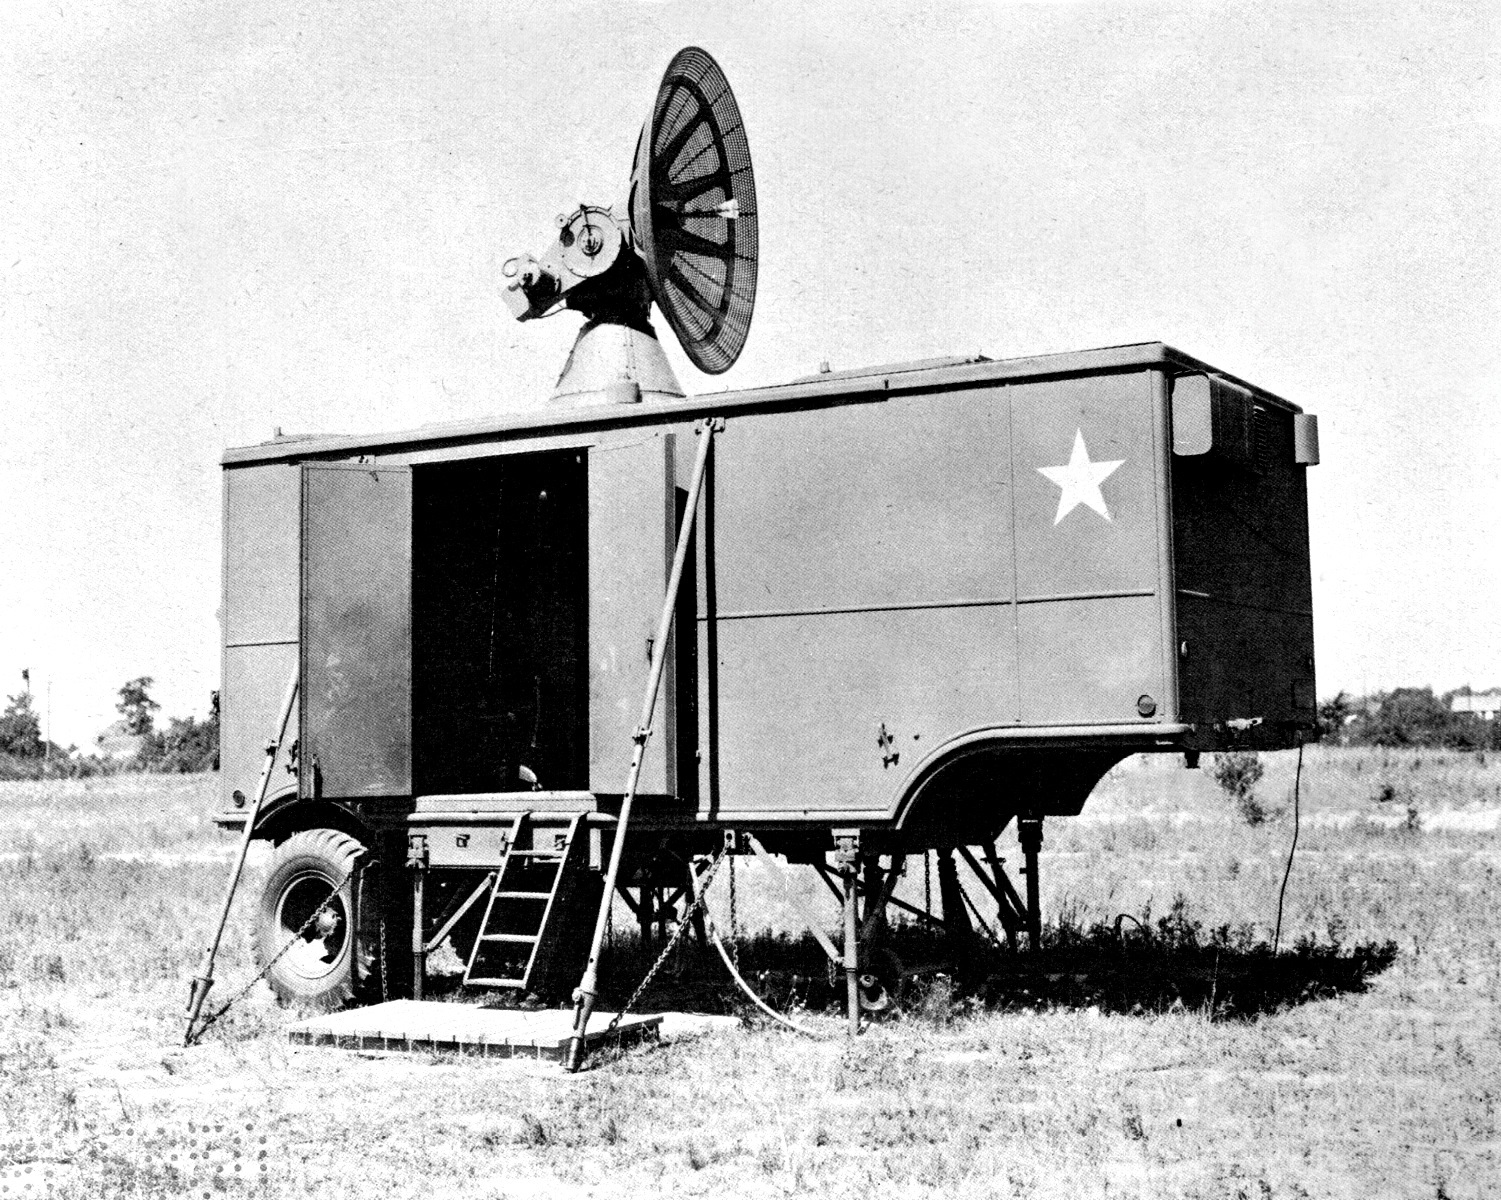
<point x="117" y="744"/>
<point x="1485" y="705"/>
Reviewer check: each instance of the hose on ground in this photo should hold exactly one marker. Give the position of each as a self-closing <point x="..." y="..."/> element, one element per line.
<point x="740" y="981"/>
<point x="1291" y="850"/>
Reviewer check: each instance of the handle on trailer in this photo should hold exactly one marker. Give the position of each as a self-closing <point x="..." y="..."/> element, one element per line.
<point x="585" y="994"/>
<point x="204" y="980"/>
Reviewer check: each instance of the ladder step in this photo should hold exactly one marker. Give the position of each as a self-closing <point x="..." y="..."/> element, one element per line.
<point x="539" y="880"/>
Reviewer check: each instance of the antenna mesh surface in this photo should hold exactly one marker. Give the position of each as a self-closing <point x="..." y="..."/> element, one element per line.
<point x="701" y="261"/>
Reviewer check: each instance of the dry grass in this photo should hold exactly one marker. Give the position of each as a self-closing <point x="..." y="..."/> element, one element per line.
<point x="1388" y="1087"/>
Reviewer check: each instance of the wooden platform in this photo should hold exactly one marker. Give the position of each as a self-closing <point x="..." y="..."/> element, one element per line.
<point x="429" y="1025"/>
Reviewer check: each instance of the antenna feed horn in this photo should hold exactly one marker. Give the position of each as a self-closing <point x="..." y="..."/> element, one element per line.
<point x="589" y="243"/>
<point x="532" y="289"/>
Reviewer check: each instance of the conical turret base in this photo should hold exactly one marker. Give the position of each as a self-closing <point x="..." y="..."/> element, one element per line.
<point x="614" y="363"/>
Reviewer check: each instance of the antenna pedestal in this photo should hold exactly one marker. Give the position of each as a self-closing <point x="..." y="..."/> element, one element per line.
<point x="614" y="363"/>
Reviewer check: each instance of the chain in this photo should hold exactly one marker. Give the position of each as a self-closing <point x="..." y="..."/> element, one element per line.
<point x="974" y="908"/>
<point x="734" y="921"/>
<point x="677" y="933"/>
<point x="193" y="1038"/>
<point x="927" y="882"/>
<point x="385" y="988"/>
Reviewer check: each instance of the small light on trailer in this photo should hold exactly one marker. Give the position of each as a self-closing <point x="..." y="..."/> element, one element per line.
<point x="1306" y="439"/>
<point x="1146" y="706"/>
<point x="238" y="797"/>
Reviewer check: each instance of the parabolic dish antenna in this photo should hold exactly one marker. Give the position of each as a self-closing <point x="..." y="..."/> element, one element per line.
<point x="686" y="238"/>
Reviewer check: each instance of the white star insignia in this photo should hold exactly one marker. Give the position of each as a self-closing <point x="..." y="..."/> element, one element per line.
<point x="1080" y="480"/>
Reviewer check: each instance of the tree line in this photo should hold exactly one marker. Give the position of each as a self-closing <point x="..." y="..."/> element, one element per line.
<point x="1406" y="716"/>
<point x="186" y="745"/>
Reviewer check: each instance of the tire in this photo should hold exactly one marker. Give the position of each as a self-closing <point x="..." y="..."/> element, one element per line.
<point x="881" y="983"/>
<point x="333" y="963"/>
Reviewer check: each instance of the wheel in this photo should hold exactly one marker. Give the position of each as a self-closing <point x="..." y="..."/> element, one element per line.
<point x="317" y="959"/>
<point x="881" y="983"/>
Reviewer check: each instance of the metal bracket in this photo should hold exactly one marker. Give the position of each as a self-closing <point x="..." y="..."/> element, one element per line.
<point x="417" y="857"/>
<point x="846" y="848"/>
<point x="431" y="944"/>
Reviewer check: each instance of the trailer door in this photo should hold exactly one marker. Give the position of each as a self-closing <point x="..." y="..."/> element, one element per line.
<point x="631" y="541"/>
<point x="356" y="630"/>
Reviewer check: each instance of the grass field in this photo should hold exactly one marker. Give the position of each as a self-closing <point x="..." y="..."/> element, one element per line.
<point x="1364" y="1062"/>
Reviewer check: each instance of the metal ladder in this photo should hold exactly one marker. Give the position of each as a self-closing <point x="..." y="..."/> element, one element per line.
<point x="527" y="906"/>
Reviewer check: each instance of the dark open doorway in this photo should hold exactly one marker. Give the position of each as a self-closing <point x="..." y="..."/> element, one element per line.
<point x="500" y="624"/>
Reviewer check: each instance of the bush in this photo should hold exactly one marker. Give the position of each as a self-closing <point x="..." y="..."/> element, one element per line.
<point x="21" y="729"/>
<point x="1334" y="715"/>
<point x="187" y="746"/>
<point x="1238" y="772"/>
<point x="1411" y="716"/>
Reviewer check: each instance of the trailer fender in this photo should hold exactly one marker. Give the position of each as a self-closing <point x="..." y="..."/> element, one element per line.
<point x="967" y="790"/>
<point x="288" y="815"/>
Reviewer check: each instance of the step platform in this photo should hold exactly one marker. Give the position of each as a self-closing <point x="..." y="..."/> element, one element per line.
<point x="427" y="1026"/>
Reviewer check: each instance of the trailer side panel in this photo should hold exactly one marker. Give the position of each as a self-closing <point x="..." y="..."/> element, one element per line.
<point x="259" y="620"/>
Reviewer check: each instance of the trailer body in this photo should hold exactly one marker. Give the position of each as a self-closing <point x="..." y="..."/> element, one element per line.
<point x="891" y="569"/>
<point x="922" y="600"/>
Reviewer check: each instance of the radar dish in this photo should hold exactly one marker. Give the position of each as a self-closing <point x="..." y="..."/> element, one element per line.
<point x="693" y="211"/>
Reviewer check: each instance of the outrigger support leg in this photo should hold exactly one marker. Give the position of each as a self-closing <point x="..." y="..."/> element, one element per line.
<point x="646" y="917"/>
<point x="585" y="995"/>
<point x="847" y="859"/>
<point x="700" y="929"/>
<point x="417" y="866"/>
<point x="1029" y="834"/>
<point x="955" y="912"/>
<point x="204" y="980"/>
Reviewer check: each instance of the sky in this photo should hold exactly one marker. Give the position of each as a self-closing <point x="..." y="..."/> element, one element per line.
<point x="222" y="218"/>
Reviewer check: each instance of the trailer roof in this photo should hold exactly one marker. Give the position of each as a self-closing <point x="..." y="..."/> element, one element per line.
<point x="809" y="391"/>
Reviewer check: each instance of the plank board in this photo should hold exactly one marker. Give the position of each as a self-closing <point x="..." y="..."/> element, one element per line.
<point x="431" y="1025"/>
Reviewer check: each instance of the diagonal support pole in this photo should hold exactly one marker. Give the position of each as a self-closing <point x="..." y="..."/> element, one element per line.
<point x="586" y="994"/>
<point x="1011" y="910"/>
<point x="998" y="884"/>
<point x="876" y="903"/>
<point x="205" y="977"/>
<point x="795" y="898"/>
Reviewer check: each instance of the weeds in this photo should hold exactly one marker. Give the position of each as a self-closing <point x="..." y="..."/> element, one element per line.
<point x="1238" y="772"/>
<point x="533" y="1132"/>
<point x="1132" y="964"/>
<point x="1329" y="1069"/>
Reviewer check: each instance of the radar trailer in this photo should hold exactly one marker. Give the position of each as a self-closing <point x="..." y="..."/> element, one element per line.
<point x="480" y="679"/>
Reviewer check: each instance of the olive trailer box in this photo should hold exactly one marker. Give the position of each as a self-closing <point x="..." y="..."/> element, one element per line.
<point x="921" y="600"/>
<point x="910" y="587"/>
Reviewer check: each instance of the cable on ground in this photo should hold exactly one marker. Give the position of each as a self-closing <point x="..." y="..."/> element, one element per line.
<point x="1291" y="850"/>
